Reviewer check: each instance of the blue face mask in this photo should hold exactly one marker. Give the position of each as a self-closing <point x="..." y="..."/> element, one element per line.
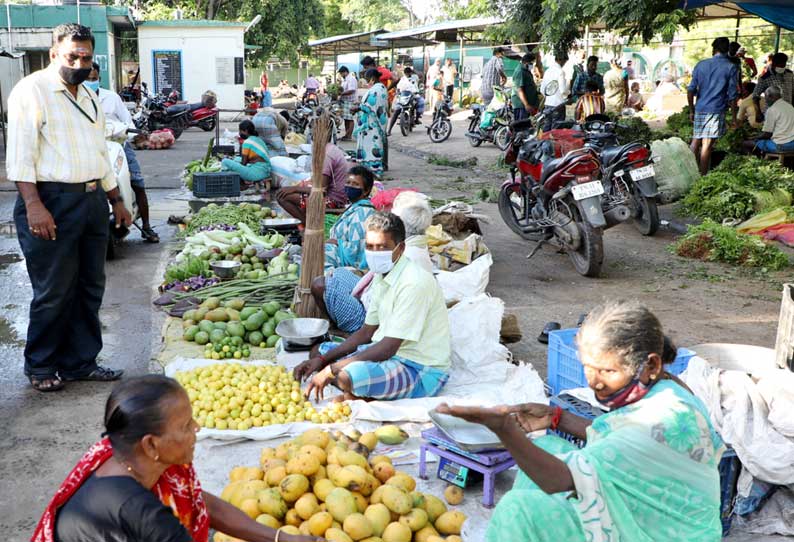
<point x="353" y="193"/>
<point x="93" y="85"/>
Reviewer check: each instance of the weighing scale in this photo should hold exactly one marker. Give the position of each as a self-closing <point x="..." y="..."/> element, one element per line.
<point x="462" y="467"/>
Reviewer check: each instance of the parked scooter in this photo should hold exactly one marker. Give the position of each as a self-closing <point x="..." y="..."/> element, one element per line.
<point x="202" y="114"/>
<point x="627" y="172"/>
<point x="441" y="127"/>
<point x="114" y="133"/>
<point x="492" y="123"/>
<point x="556" y="200"/>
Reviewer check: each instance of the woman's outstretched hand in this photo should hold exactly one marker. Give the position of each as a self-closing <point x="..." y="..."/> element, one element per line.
<point x="494" y="418"/>
<point x="530" y="416"/>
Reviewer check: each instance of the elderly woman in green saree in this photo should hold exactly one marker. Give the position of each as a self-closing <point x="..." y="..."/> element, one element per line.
<point x="649" y="468"/>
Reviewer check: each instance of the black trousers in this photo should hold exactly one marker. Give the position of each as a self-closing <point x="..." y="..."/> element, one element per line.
<point x="68" y="279"/>
<point x="449" y="89"/>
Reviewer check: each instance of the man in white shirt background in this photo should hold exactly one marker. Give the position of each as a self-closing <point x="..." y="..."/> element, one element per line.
<point x="778" y="132"/>
<point x="554" y="107"/>
<point x="115" y="110"/>
<point x="450" y="74"/>
<point x="407" y="83"/>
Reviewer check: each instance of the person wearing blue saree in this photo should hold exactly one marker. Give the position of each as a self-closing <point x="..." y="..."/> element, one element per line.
<point x="649" y="469"/>
<point x="254" y="165"/>
<point x="370" y="130"/>
<point x="345" y="246"/>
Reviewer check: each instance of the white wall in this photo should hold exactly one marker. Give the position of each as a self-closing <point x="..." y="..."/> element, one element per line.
<point x="200" y="47"/>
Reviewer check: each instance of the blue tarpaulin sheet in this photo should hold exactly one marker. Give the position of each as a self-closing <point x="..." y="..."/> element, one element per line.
<point x="779" y="12"/>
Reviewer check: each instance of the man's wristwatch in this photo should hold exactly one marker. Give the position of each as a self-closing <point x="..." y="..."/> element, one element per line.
<point x="114" y="201"/>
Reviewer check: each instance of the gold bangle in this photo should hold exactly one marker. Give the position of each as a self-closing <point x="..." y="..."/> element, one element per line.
<point x="278" y="532"/>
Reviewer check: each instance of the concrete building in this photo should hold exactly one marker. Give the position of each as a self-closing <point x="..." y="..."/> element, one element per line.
<point x="192" y="57"/>
<point x="30" y="33"/>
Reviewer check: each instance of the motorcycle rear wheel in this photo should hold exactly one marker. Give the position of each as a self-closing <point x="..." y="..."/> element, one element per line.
<point x="440" y="130"/>
<point x="647" y="219"/>
<point x="589" y="257"/>
<point x="501" y="138"/>
<point x="405" y="121"/>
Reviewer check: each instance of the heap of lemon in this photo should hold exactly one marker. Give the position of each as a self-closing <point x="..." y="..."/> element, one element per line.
<point x="241" y="396"/>
<point x="330" y="485"/>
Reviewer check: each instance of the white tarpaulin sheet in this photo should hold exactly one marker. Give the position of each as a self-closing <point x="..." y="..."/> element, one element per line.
<point x="754" y="415"/>
<point x="481" y="374"/>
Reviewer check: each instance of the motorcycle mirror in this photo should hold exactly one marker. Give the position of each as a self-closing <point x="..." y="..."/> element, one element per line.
<point x="551" y="88"/>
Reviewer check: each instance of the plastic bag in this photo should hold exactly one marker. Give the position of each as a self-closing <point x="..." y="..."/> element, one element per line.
<point x="675" y="167"/>
<point x="468" y="281"/>
<point x="762" y="221"/>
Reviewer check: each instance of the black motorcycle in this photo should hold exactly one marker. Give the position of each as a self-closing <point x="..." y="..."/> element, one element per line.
<point x="441" y="127"/>
<point x="491" y="123"/>
<point x="405" y="110"/>
<point x="155" y="115"/>
<point x="627" y="172"/>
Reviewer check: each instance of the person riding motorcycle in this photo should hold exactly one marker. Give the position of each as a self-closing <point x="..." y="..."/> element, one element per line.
<point x="407" y="84"/>
<point x="115" y="110"/>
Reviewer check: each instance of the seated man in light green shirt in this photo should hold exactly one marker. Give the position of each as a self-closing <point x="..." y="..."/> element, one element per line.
<point x="403" y="349"/>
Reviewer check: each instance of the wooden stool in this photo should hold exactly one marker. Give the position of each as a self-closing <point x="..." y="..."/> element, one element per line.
<point x="781" y="156"/>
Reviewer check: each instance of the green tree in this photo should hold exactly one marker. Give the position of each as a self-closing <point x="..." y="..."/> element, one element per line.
<point x="367" y="15"/>
<point x="334" y="24"/>
<point x="757" y="36"/>
<point x="284" y="36"/>
<point x="467" y="9"/>
<point x="560" y="23"/>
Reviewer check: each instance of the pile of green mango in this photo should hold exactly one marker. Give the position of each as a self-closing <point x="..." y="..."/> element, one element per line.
<point x="229" y="331"/>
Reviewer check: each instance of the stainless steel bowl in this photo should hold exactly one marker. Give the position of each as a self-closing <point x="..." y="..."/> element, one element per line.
<point x="302" y="331"/>
<point x="225" y="269"/>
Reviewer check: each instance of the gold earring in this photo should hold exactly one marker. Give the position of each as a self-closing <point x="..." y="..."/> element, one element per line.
<point x="157" y="457"/>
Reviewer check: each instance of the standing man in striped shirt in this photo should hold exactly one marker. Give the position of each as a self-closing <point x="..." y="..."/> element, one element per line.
<point x="58" y="159"/>
<point x="493" y="74"/>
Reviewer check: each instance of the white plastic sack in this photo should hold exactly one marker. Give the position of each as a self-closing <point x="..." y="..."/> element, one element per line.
<point x="469" y="281"/>
<point x="675" y="167"/>
<point x="284" y="165"/>
<point x="742" y="417"/>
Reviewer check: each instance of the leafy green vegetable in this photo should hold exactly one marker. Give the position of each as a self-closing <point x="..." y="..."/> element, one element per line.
<point x="192" y="266"/>
<point x="738" y="188"/>
<point x="716" y="243"/>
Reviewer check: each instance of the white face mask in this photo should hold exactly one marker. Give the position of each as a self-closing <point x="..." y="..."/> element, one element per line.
<point x="780" y="71"/>
<point x="379" y="261"/>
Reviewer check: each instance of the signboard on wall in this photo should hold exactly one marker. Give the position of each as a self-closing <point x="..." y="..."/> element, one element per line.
<point x="239" y="70"/>
<point x="224" y="70"/>
<point x="167" y="71"/>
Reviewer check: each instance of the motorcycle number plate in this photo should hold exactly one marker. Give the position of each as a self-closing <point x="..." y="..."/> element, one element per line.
<point x="587" y="190"/>
<point x="641" y="173"/>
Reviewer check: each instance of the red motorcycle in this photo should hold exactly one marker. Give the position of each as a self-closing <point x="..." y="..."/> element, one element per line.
<point x="202" y="114"/>
<point x="556" y="196"/>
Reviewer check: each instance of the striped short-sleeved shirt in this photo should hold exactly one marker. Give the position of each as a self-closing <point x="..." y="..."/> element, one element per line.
<point x="54" y="136"/>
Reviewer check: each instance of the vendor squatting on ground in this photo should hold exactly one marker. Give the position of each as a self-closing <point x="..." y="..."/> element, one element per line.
<point x="403" y="349"/>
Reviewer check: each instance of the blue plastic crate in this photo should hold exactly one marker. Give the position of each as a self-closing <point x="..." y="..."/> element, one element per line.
<point x="729" y="466"/>
<point x="216" y="185"/>
<point x="565" y="371"/>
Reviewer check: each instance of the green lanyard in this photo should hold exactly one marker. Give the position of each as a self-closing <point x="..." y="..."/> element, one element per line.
<point x="80" y="109"/>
